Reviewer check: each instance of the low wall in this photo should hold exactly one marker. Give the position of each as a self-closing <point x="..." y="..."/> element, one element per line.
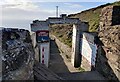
<point x="65" y="48"/>
<point x="35" y="45"/>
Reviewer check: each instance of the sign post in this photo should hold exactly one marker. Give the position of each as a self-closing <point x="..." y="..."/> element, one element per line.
<point x="41" y="29"/>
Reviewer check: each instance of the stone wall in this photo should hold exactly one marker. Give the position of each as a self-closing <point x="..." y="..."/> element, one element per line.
<point x="108" y="60"/>
<point x="65" y="48"/>
<point x="17" y="55"/>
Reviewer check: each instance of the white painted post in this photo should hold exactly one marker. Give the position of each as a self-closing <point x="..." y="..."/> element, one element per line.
<point x="44" y="53"/>
<point x="75" y="58"/>
<point x="41" y="29"/>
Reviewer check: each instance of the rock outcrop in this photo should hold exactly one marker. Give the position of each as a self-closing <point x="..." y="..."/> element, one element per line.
<point x="17" y="55"/>
<point x="109" y="52"/>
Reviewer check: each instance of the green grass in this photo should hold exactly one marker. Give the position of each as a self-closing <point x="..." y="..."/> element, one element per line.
<point x="60" y="31"/>
<point x="116" y="3"/>
<point x="81" y="69"/>
<point x="92" y="16"/>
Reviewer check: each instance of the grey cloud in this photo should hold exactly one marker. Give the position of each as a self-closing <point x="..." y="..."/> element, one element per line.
<point x="14" y="13"/>
<point x="9" y="5"/>
<point x="13" y="17"/>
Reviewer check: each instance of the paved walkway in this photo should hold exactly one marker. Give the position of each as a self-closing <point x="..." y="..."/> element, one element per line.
<point x="58" y="62"/>
<point x="62" y="66"/>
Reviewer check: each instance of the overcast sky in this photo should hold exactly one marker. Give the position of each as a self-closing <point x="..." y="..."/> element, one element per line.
<point x="20" y="13"/>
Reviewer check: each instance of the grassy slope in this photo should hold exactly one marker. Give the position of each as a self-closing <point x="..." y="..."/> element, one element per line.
<point x="91" y="16"/>
<point x="61" y="32"/>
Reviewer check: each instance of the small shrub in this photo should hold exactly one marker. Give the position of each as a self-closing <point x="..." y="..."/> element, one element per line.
<point x="81" y="69"/>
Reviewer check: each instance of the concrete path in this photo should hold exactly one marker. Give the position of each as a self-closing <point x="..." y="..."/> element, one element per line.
<point x="58" y="62"/>
<point x="88" y="75"/>
<point x="62" y="66"/>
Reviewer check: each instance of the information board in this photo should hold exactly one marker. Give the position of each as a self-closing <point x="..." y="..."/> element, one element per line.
<point x="88" y="48"/>
<point x="42" y="36"/>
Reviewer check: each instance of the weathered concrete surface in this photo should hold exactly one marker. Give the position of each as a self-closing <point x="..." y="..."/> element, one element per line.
<point x="58" y="60"/>
<point x="62" y="66"/>
<point x="75" y="56"/>
<point x="108" y="62"/>
<point x="17" y="55"/>
<point x="35" y="46"/>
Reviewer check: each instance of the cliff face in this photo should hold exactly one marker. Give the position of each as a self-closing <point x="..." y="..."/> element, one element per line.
<point x="17" y="55"/>
<point x="109" y="33"/>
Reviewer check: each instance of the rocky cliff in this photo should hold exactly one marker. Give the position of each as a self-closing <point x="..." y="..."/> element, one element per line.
<point x="17" y="55"/>
<point x="109" y="33"/>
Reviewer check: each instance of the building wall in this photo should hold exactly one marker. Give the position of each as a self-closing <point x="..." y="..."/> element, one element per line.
<point x="84" y="27"/>
<point x="74" y="38"/>
<point x="75" y="58"/>
<point x="39" y="25"/>
<point x="63" y="20"/>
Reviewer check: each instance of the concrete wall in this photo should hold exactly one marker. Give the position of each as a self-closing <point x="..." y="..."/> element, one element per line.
<point x="84" y="27"/>
<point x="39" y="25"/>
<point x="33" y="37"/>
<point x="55" y="20"/>
<point x="75" y="58"/>
<point x="35" y="46"/>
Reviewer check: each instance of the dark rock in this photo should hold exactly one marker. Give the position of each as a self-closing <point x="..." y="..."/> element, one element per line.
<point x="17" y="54"/>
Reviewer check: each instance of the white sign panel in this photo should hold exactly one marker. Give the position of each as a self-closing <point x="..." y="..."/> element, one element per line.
<point x="89" y="50"/>
<point x="44" y="53"/>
